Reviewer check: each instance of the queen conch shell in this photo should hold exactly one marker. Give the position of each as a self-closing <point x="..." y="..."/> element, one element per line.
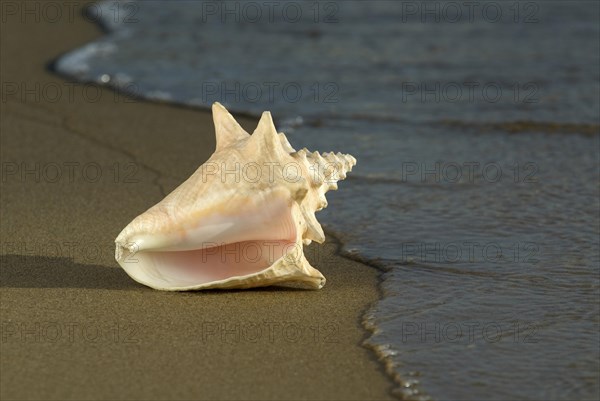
<point x="240" y="220"/>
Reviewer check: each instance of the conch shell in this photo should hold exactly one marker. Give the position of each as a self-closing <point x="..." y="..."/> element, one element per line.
<point x="240" y="220"/>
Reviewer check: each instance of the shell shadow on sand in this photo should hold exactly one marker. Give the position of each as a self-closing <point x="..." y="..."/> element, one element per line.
<point x="21" y="271"/>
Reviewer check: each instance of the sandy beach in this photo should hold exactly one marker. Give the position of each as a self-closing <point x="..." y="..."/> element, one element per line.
<point x="78" y="163"/>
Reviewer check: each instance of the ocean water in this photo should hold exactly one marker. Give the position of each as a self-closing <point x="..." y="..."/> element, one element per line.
<point x="477" y="189"/>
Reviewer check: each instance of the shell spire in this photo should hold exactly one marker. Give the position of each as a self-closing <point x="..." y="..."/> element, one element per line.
<point x="325" y="171"/>
<point x="266" y="141"/>
<point x="240" y="220"/>
<point x="227" y="130"/>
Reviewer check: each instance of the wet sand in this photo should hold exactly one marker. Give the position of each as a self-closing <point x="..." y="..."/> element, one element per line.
<point x="78" y="163"/>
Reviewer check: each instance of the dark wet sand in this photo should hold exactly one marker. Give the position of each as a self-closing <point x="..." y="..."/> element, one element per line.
<point x="78" y="163"/>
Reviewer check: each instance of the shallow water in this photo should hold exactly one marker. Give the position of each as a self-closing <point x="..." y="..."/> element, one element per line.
<point x="477" y="188"/>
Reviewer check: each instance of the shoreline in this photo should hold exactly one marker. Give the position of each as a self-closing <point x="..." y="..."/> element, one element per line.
<point x="148" y="344"/>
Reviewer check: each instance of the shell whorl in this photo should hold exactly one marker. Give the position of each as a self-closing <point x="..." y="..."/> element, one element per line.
<point x="319" y="172"/>
<point x="323" y="173"/>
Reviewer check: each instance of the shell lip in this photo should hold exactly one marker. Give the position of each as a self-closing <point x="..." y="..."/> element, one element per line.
<point x="280" y="271"/>
<point x="238" y="281"/>
<point x="216" y="250"/>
